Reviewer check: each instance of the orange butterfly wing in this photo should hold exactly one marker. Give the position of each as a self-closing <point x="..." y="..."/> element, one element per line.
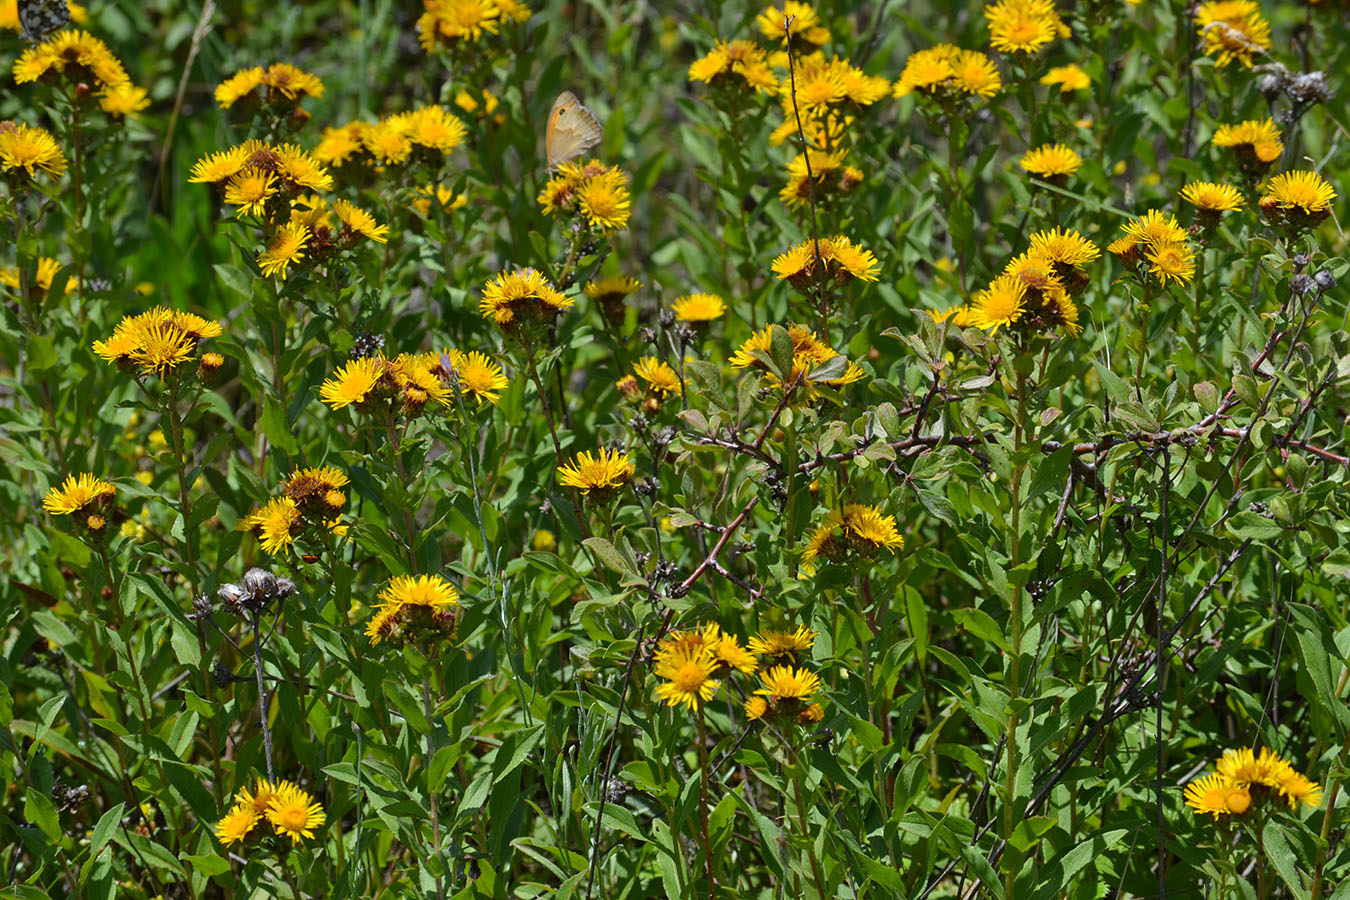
<point x="572" y="129"/>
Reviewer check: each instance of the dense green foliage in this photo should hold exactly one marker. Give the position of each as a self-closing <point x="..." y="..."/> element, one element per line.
<point x="1051" y="576"/>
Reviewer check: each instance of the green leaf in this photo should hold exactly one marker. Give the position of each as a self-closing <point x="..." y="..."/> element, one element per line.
<point x="273" y="422"/>
<point x="1282" y="859"/>
<point x="39" y="809"/>
<point x="1248" y="524"/>
<point x="610" y="557"/>
<point x="982" y="625"/>
<point x="515" y="750"/>
<point x="1029" y="832"/>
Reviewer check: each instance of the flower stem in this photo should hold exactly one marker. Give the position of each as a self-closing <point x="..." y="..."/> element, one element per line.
<point x="703" y="804"/>
<point x="1010" y="817"/>
<point x="431" y="789"/>
<point x="798" y="776"/>
<point x="262" y="694"/>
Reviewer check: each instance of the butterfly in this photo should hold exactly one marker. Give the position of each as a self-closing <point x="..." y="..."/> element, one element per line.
<point x="40" y="18"/>
<point x="572" y="130"/>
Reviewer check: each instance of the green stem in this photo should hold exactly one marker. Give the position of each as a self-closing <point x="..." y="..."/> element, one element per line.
<point x="1333" y="791"/>
<point x="1011" y="815"/>
<point x="431" y="789"/>
<point x="798" y="776"/>
<point x="703" y="804"/>
<point x="1143" y="341"/>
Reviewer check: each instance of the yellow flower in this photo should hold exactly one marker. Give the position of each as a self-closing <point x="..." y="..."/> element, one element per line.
<point x="856" y="532"/>
<point x="358" y="221"/>
<point x="606" y="470"/>
<point x="697" y="308"/>
<point x="1155" y="228"/>
<point x="1245" y="767"/>
<point x="974" y="73"/>
<point x="1256" y="141"/>
<point x="809" y="353"/>
<point x="1172" y="262"/>
<point x="604" y="201"/>
<point x="1064" y="246"/>
<point x="290" y="82"/>
<point x="447" y="21"/>
<point x="276" y="524"/>
<point x="300" y="170"/>
<point x="238" y="86"/>
<point x="688" y="678"/>
<point x="806" y="26"/>
<point x="1051" y="162"/>
<point x="75" y="54"/>
<point x="523" y="294"/>
<point x="250" y="190"/>
<point x="286" y="246"/>
<point x="1297" y="788"/>
<point x="41" y="279"/>
<point x="162" y="346"/>
<point x="958" y="314"/>
<point x="926" y="71"/>
<point x="426" y="603"/>
<point x="1069" y="78"/>
<point x="1217" y="795"/>
<point x="658" y="374"/>
<point x="835" y="257"/>
<point x="1002" y="303"/>
<point x="353" y="383"/>
<point x="338" y="145"/>
<point x="1023" y="26"/>
<point x="294" y="814"/>
<point x="434" y="128"/>
<point x="743" y="60"/>
<point x="123" y="100"/>
<point x="260" y="800"/>
<point x="1303" y="190"/>
<point x="783" y="647"/>
<point x="387" y="143"/>
<point x="785" y="683"/>
<point x="1211" y="197"/>
<point x="479" y="375"/>
<point x="30" y="149"/>
<point x="827" y="174"/>
<point x="727" y="652"/>
<point x="77" y="494"/>
<point x="317" y="490"/>
<point x="235" y="825"/>
<point x="217" y="167"/>
<point x="1233" y="29"/>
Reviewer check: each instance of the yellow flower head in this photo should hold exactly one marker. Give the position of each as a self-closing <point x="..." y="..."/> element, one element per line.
<point x="1217" y="795"/>
<point x="855" y="533"/>
<point x="79" y="494"/>
<point x="239" y="86"/>
<point x="1233" y="29"/>
<point x="250" y="190"/>
<point x="698" y="308"/>
<point x="1000" y="304"/>
<point x="688" y="677"/>
<point x="1069" y="78"/>
<point x="660" y="377"/>
<point x="806" y="25"/>
<point x="360" y="222"/>
<point x="1155" y="228"/>
<point x="1302" y="190"/>
<point x="836" y="258"/>
<point x="235" y="825"/>
<point x="1052" y="162"/>
<point x="1023" y="26"/>
<point x="355" y="382"/>
<point x="604" y="471"/>
<point x="1208" y="197"/>
<point x="521" y="296"/>
<point x="285" y="250"/>
<point x="604" y="200"/>
<point x="426" y="606"/>
<point x="339" y="145"/>
<point x="740" y="64"/>
<point x="1256" y="142"/>
<point x="448" y="22"/>
<point x="782" y="684"/>
<point x="958" y="314"/>
<point x="783" y="647"/>
<point x="31" y="150"/>
<point x="1171" y="262"/>
<point x="294" y="814"/>
<point x="479" y="376"/>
